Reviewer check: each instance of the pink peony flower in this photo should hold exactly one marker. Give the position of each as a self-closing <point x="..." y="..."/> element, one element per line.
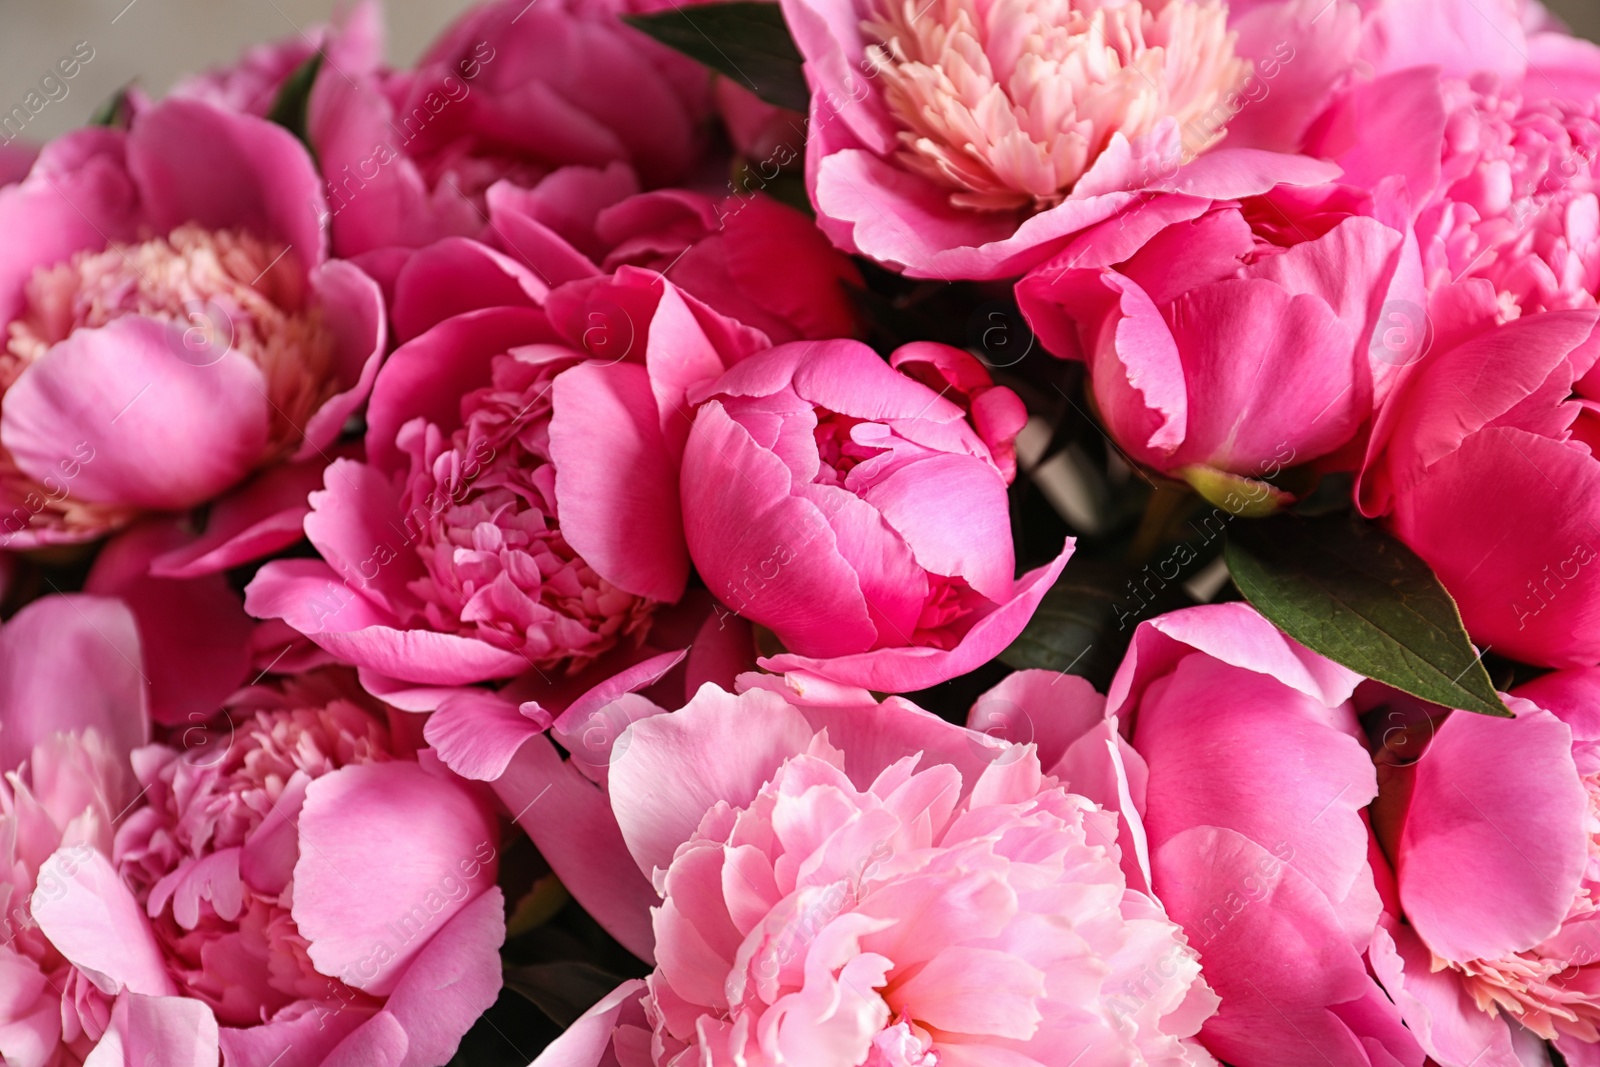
<point x="518" y="507"/>
<point x="1496" y="847"/>
<point x="253" y="83"/>
<point x="173" y="328"/>
<point x="1253" y="776"/>
<point x="1494" y="132"/>
<point x="509" y="92"/>
<point x="965" y="141"/>
<point x="583" y="222"/>
<point x="838" y="886"/>
<point x="1517" y="204"/>
<point x="1161" y="302"/>
<point x="859" y="514"/>
<point x="1499" y="414"/>
<point x="260" y="880"/>
<point x="71" y="711"/>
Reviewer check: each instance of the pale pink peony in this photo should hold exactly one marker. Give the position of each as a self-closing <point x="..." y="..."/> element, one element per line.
<point x="1009" y="105"/>
<point x="172" y="329"/>
<point x="877" y="887"/>
<point x="255" y="896"/>
<point x="71" y="710"/>
<point x="957" y="139"/>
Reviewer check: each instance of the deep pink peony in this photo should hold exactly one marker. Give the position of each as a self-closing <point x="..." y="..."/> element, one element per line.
<point x="960" y="140"/>
<point x="585" y="222"/>
<point x="253" y="83"/>
<point x="173" y="328"/>
<point x="511" y="91"/>
<point x="518" y="506"/>
<point x="859" y="514"/>
<point x="1483" y="462"/>
<point x="1226" y="341"/>
<point x="878" y="887"/>
<point x="1503" y="171"/>
<point x="1255" y="776"/>
<point x="1496" y="848"/>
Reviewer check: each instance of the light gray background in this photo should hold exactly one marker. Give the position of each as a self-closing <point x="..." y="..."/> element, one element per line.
<point x="156" y="41"/>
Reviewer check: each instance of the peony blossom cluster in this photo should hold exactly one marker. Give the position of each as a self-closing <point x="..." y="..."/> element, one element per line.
<point x="661" y="535"/>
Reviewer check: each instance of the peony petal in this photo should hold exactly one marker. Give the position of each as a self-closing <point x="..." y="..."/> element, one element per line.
<point x="586" y="1042"/>
<point x="571" y="822"/>
<point x="91" y="918"/>
<point x="905" y="670"/>
<point x="193" y="632"/>
<point x="225" y="170"/>
<point x="71" y="663"/>
<point x="367" y="909"/>
<point x="1494" y="843"/>
<point x="669" y="770"/>
<point x="477" y="733"/>
<point x="616" y="482"/>
<point x="1272" y="949"/>
<point x="160" y="432"/>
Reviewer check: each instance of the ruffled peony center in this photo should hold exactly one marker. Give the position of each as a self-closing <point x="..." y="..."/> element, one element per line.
<point x="206" y="857"/>
<point x="220" y="290"/>
<point x="1010" y="103"/>
<point x="1519" y="205"/>
<point x="899" y="925"/>
<point x="482" y="507"/>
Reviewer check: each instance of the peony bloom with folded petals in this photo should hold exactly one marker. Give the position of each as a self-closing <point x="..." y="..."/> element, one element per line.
<point x="1253" y="779"/>
<point x="916" y="896"/>
<point x="859" y="514"/>
<point x="1501" y="413"/>
<point x="518" y="506"/>
<point x="1161" y="303"/>
<point x="583" y="222"/>
<point x="510" y="91"/>
<point x="260" y="875"/>
<point x="965" y="140"/>
<point x="173" y="326"/>
<point x="1519" y="200"/>
<point x="1494" y="939"/>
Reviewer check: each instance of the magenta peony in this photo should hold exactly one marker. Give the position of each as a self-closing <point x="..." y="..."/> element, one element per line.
<point x="1500" y="415"/>
<point x="173" y="328"/>
<point x="1161" y="303"/>
<point x="878" y="887"/>
<point x="859" y="514"/>
<point x="1494" y="839"/>
<point x="518" y="508"/>
<point x="584" y="222"/>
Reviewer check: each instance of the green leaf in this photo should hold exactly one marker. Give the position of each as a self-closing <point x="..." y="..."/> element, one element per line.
<point x="746" y="41"/>
<point x="113" y="112"/>
<point x="1348" y="590"/>
<point x="289" y="109"/>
